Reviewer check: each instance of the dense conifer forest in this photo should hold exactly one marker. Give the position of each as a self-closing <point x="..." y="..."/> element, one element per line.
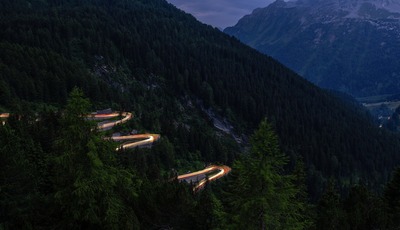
<point x="326" y="165"/>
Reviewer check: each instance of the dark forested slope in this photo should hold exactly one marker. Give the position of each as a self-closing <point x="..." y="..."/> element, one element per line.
<point x="109" y="48"/>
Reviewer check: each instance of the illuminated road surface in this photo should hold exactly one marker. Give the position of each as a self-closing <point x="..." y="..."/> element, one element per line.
<point x="4" y="115"/>
<point x="222" y="171"/>
<point x="148" y="139"/>
<point x="145" y="140"/>
<point x="111" y="124"/>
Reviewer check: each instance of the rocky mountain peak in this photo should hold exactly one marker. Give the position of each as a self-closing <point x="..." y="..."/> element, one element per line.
<point x="347" y="8"/>
<point x="347" y="45"/>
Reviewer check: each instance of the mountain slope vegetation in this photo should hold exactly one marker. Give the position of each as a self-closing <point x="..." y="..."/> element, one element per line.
<point x="149" y="57"/>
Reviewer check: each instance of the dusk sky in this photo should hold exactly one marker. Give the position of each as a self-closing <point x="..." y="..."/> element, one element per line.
<point x="219" y="13"/>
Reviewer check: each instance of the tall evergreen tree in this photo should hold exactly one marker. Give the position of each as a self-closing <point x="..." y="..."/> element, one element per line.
<point x="330" y="214"/>
<point x="364" y="210"/>
<point x="21" y="179"/>
<point x="392" y="200"/>
<point x="262" y="195"/>
<point x="91" y="190"/>
<point x="210" y="213"/>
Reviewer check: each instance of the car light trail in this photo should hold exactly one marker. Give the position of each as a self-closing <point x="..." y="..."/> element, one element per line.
<point x="147" y="140"/>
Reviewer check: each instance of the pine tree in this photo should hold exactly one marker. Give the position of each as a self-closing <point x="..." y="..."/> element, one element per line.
<point x="364" y="210"/>
<point x="91" y="190"/>
<point x="330" y="211"/>
<point x="262" y="195"/>
<point x="392" y="200"/>
<point x="19" y="179"/>
<point x="210" y="213"/>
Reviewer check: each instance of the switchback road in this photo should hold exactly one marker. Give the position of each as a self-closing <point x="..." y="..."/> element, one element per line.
<point x="209" y="174"/>
<point x="222" y="170"/>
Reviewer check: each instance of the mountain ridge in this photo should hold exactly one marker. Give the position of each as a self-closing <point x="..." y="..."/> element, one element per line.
<point x="345" y="47"/>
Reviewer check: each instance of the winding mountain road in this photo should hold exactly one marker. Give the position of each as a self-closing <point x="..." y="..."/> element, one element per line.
<point x="110" y="124"/>
<point x="147" y="139"/>
<point x="144" y="140"/>
<point x="4" y="115"/>
<point x="206" y="175"/>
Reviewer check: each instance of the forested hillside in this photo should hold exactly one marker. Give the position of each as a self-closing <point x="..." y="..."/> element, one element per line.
<point x="113" y="50"/>
<point x="147" y="57"/>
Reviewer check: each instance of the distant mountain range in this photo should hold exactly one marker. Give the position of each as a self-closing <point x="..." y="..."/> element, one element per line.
<point x="347" y="45"/>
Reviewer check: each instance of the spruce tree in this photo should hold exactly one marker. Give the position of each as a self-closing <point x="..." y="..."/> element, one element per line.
<point x="91" y="190"/>
<point x="392" y="200"/>
<point x="21" y="179"/>
<point x="330" y="214"/>
<point x="263" y="195"/>
<point x="364" y="210"/>
<point x="209" y="211"/>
